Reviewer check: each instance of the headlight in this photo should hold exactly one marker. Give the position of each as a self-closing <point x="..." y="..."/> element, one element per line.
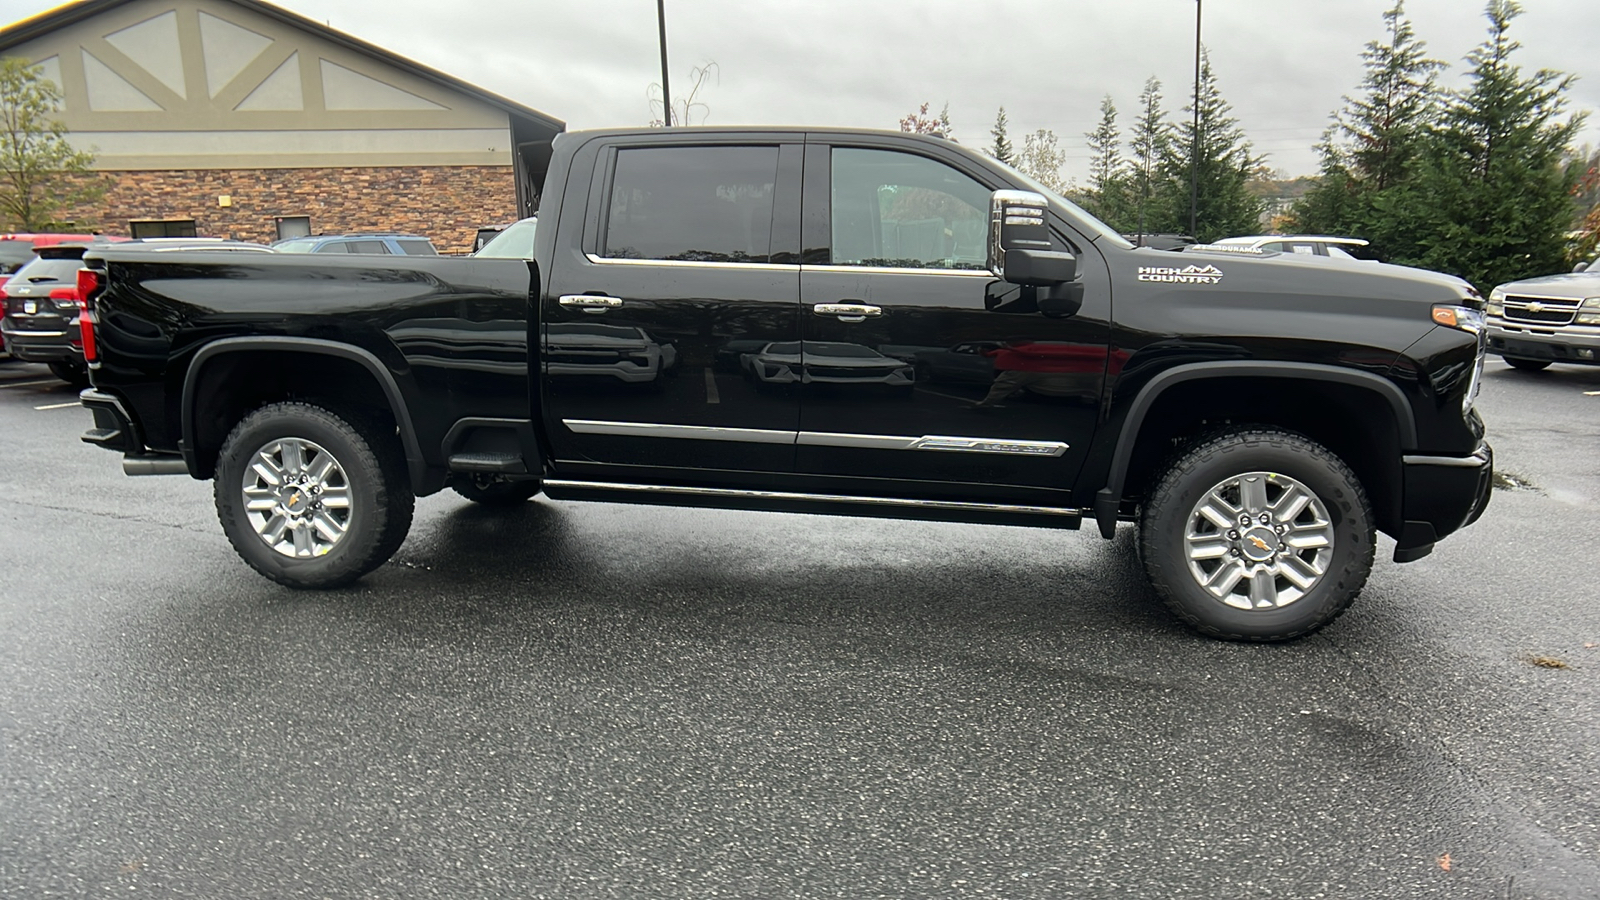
<point x="1589" y="312"/>
<point x="1498" y="295"/>
<point x="1464" y="318"/>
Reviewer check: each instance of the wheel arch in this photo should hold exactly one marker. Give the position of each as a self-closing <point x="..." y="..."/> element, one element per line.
<point x="1171" y="407"/>
<point x="374" y="387"/>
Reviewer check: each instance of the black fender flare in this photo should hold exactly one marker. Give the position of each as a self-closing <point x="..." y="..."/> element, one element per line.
<point x="1108" y="501"/>
<point x="416" y="465"/>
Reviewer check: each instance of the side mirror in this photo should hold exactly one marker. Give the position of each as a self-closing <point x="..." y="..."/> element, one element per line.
<point x="1019" y="242"/>
<point x="1581" y="267"/>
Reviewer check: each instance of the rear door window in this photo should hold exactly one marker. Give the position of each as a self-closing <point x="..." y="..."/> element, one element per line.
<point x="368" y="247"/>
<point x="692" y="204"/>
<point x="41" y="275"/>
<point x="417" y="248"/>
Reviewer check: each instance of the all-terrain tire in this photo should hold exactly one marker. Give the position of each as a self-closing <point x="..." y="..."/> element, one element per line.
<point x="1526" y="365"/>
<point x="491" y="492"/>
<point x="371" y="480"/>
<point x="1172" y="529"/>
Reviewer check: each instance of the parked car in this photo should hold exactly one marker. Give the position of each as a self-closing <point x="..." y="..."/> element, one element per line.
<point x="1163" y="241"/>
<point x="16" y="251"/>
<point x="1306" y="245"/>
<point x="514" y="241"/>
<point x="380" y="243"/>
<point x="1538" y="321"/>
<point x="41" y="306"/>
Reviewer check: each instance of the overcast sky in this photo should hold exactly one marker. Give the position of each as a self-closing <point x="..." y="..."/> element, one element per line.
<point x="1283" y="65"/>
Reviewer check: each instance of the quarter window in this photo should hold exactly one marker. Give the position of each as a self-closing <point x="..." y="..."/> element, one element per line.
<point x="696" y="204"/>
<point x="906" y="212"/>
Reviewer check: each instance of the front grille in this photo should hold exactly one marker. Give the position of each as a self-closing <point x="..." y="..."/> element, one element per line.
<point x="1542" y="310"/>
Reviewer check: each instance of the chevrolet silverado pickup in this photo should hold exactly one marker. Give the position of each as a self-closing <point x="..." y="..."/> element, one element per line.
<point x="1259" y="416"/>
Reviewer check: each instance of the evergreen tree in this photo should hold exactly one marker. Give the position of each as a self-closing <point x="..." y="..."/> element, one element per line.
<point x="1374" y="140"/>
<point x="1225" y="164"/>
<point x="1492" y="198"/>
<point x="1147" y="184"/>
<point x="1108" y="171"/>
<point x="1002" y="149"/>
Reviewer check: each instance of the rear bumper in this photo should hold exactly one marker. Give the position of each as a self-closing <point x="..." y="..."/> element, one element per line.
<point x="41" y="346"/>
<point x="1443" y="494"/>
<point x="113" y="427"/>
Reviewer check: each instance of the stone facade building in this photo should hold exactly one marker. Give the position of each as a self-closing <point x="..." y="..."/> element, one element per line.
<point x="236" y="118"/>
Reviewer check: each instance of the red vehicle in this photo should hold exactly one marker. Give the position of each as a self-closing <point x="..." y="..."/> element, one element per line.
<point x="16" y="251"/>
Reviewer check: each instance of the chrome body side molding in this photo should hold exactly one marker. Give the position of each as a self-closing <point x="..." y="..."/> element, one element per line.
<point x="777" y="496"/>
<point x="940" y="442"/>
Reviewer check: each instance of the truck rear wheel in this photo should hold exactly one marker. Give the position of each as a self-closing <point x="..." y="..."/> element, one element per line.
<point x="311" y="498"/>
<point x="491" y="491"/>
<point x="1257" y="535"/>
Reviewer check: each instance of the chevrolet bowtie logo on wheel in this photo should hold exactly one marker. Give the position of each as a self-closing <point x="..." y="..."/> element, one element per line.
<point x="1185" y="275"/>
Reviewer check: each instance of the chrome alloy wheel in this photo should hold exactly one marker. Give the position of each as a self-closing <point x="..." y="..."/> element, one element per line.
<point x="1259" y="541"/>
<point x="297" y="498"/>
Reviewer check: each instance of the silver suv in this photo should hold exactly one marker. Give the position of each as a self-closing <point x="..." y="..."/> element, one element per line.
<point x="1538" y="321"/>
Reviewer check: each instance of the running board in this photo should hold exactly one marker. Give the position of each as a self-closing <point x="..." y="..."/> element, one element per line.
<point x="816" y="504"/>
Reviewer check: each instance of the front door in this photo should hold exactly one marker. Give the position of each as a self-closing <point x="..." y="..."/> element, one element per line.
<point x="912" y="367"/>
<point x="689" y="266"/>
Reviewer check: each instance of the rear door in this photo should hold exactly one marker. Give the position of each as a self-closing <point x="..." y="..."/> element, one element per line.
<point x="687" y="266"/>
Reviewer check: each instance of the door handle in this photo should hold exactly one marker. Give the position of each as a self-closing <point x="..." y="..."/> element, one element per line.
<point x="590" y="303"/>
<point x="847" y="312"/>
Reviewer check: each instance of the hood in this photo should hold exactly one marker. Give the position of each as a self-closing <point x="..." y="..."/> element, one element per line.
<point x="1296" y="273"/>
<point x="1572" y="284"/>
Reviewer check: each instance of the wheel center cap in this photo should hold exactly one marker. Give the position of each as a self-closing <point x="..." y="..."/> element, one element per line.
<point x="297" y="501"/>
<point x="1258" y="544"/>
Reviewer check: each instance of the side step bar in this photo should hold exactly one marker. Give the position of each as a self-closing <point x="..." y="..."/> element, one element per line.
<point x="816" y="504"/>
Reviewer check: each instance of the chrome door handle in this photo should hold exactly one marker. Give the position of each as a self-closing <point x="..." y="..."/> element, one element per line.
<point x="847" y="312"/>
<point x="590" y="303"/>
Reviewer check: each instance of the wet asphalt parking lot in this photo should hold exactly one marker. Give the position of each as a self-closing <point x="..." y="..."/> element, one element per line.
<point x="576" y="701"/>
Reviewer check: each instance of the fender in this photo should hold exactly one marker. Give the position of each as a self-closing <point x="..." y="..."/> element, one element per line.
<point x="1108" y="501"/>
<point x="415" y="464"/>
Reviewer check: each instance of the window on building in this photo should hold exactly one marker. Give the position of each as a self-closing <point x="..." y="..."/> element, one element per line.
<point x="699" y="204"/>
<point x="292" y="227"/>
<point x="160" y="228"/>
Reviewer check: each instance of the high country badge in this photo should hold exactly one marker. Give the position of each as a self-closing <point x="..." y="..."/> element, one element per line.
<point x="1185" y="275"/>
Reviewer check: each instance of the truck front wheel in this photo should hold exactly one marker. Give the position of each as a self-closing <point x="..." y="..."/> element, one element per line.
<point x="311" y="498"/>
<point x="1257" y="535"/>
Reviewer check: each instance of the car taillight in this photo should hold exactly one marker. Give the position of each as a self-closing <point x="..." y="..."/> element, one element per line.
<point x="88" y="286"/>
<point x="66" y="298"/>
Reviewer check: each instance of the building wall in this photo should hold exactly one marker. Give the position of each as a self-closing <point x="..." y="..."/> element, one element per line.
<point x="445" y="203"/>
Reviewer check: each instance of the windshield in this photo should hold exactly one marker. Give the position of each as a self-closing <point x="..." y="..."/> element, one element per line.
<point x="1099" y="228"/>
<point x="516" y="242"/>
<point x="294" y="246"/>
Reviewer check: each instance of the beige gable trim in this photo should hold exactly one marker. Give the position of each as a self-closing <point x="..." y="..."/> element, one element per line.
<point x="237" y="70"/>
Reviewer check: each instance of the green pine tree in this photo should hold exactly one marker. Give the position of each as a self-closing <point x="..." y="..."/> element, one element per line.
<point x="1224" y="165"/>
<point x="1002" y="149"/>
<point x="1148" y="185"/>
<point x="1106" y="196"/>
<point x="1374" y="141"/>
<point x="1491" y="200"/>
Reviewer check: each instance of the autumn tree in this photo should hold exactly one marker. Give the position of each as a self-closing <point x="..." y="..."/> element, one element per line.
<point x="40" y="172"/>
<point x="920" y="122"/>
<point x="1041" y="159"/>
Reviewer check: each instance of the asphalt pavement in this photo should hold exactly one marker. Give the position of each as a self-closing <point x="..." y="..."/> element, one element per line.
<point x="592" y="701"/>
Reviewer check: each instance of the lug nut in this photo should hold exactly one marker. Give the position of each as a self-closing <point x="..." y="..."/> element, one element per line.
<point x="1266" y="518"/>
<point x="1234" y="551"/>
<point x="1282" y="528"/>
<point x="1244" y="519"/>
<point x="1233" y="535"/>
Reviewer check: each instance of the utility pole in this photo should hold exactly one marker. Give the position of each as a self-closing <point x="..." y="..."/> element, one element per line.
<point x="666" y="96"/>
<point x="1194" y="162"/>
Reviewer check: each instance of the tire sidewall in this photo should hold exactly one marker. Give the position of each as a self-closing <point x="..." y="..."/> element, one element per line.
<point x="1339" y="495"/>
<point x="347" y="558"/>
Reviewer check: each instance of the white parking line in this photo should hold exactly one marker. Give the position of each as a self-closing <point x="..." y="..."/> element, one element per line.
<point x="711" y="388"/>
<point x="1591" y="393"/>
<point x="58" y="405"/>
<point x="30" y="383"/>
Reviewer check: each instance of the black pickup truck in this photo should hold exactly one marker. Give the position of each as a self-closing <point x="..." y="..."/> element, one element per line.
<point x="818" y="321"/>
